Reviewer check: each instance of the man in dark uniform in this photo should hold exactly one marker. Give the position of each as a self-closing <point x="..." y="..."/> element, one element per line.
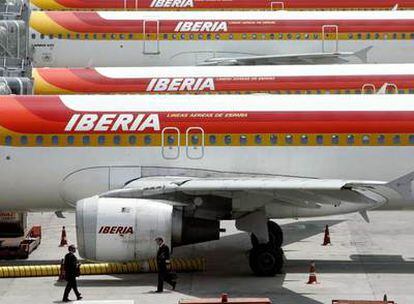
<point x="164" y="266"/>
<point x="71" y="267"/>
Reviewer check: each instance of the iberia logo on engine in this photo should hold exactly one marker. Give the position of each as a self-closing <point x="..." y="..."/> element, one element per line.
<point x="116" y="230"/>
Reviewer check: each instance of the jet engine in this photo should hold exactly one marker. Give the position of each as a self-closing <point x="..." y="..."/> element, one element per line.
<point x="124" y="229"/>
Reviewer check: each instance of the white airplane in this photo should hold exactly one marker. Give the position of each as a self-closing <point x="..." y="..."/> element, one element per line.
<point x="219" y="5"/>
<point x="291" y="79"/>
<point x="111" y="39"/>
<point x="139" y="166"/>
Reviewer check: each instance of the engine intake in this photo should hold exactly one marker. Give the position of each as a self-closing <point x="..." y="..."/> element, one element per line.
<point x="124" y="229"/>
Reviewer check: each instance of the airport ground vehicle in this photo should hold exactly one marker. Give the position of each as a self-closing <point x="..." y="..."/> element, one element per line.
<point x="16" y="240"/>
<point x="138" y="166"/>
<point x="292" y="79"/>
<point x="219" y="38"/>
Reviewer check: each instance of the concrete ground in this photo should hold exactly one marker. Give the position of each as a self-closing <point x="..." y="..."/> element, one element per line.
<point x="365" y="261"/>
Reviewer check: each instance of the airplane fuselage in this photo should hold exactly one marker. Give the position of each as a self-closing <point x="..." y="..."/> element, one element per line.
<point x="58" y="150"/>
<point x="194" y="38"/>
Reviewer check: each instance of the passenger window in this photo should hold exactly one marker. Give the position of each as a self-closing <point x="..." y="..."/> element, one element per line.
<point x="113" y="36"/>
<point x="381" y="139"/>
<point x="411" y="139"/>
<point x="55" y="140"/>
<point x="289" y="139"/>
<point x="258" y="139"/>
<point x="101" y="140"/>
<point x="68" y="36"/>
<point x="230" y="36"/>
<point x="50" y="36"/>
<point x="335" y="139"/>
<point x="8" y="140"/>
<point x="60" y="36"/>
<point x="254" y="36"/>
<point x="23" y="140"/>
<point x="86" y="36"/>
<point x="131" y="36"/>
<point x="319" y="139"/>
<point x="195" y="140"/>
<point x="350" y="139"/>
<point x="365" y="139"/>
<point x="39" y="140"/>
<point x="304" y="139"/>
<point x="117" y="140"/>
<point x="77" y="36"/>
<point x="86" y="140"/>
<point x="33" y="36"/>
<point x="243" y="139"/>
<point x="191" y="36"/>
<point x="42" y="36"/>
<point x="227" y="139"/>
<point x="212" y="139"/>
<point x="71" y="140"/>
<point x="273" y="139"/>
<point x="95" y="36"/>
<point x="147" y="139"/>
<point x="170" y="139"/>
<point x="396" y="139"/>
<point x="132" y="139"/>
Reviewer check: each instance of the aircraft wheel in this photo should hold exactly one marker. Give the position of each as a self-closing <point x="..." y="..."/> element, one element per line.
<point x="265" y="260"/>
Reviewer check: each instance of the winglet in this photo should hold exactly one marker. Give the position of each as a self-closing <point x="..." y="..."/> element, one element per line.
<point x="363" y="54"/>
<point x="403" y="185"/>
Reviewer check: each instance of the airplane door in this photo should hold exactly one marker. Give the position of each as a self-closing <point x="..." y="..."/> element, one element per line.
<point x="170" y="143"/>
<point x="330" y="38"/>
<point x="151" y="37"/>
<point x="194" y="142"/>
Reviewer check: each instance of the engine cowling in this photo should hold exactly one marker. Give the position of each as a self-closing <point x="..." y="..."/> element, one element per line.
<point x="124" y="229"/>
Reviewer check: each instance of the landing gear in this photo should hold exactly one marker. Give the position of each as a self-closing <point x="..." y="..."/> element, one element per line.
<point x="267" y="259"/>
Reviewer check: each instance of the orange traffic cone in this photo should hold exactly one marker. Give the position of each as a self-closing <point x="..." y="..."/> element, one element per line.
<point x="63" y="239"/>
<point x="312" y="274"/>
<point x="326" y="238"/>
<point x="61" y="271"/>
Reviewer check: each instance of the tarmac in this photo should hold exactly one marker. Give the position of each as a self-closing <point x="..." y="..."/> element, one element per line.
<point x="365" y="261"/>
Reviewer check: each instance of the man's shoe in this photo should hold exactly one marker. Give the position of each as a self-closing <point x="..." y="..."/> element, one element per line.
<point x="65" y="300"/>
<point x="173" y="285"/>
<point x="79" y="298"/>
<point x="158" y="291"/>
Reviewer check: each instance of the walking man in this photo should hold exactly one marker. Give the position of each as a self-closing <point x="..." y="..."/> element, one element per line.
<point x="164" y="265"/>
<point x="71" y="267"/>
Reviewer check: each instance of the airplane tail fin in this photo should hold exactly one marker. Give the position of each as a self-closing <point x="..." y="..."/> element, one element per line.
<point x="363" y="54"/>
<point x="403" y="185"/>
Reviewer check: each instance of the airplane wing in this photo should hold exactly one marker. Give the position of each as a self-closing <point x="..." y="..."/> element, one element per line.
<point x="306" y="193"/>
<point x="310" y="58"/>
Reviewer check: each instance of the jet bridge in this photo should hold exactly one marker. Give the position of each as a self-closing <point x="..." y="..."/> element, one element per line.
<point x="14" y="10"/>
<point x="14" y="49"/>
